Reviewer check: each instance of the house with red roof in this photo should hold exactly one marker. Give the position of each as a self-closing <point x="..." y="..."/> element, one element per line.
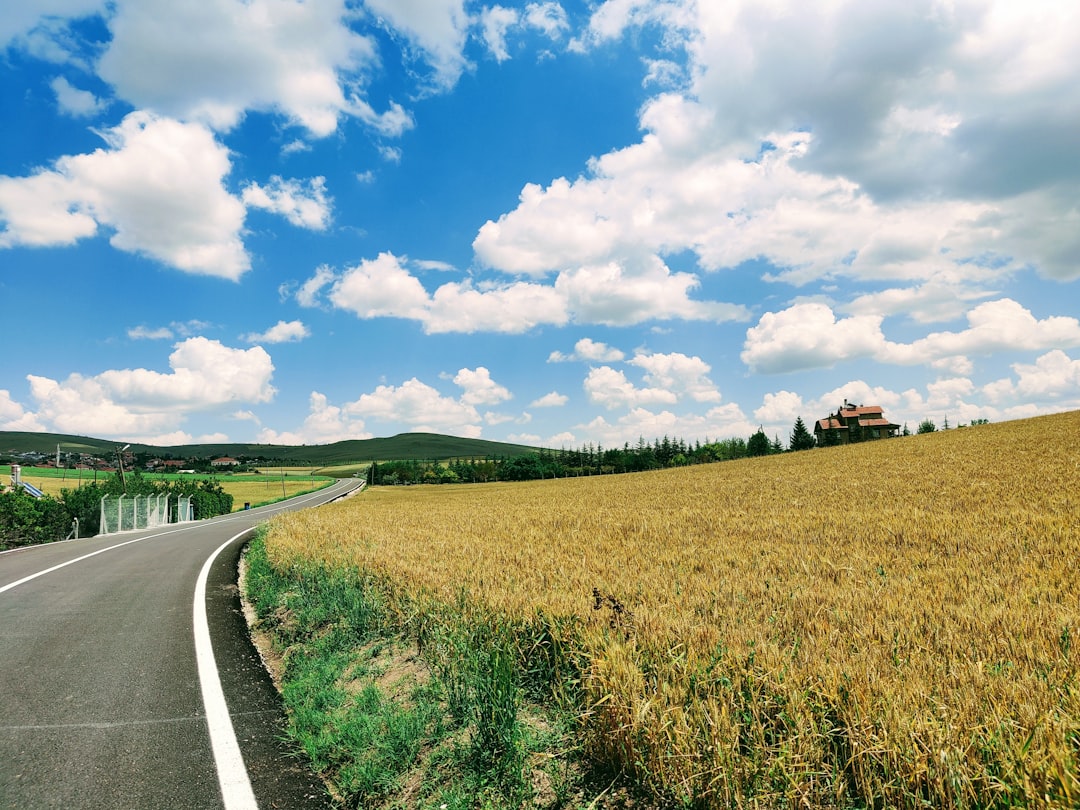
<point x="854" y="423"/>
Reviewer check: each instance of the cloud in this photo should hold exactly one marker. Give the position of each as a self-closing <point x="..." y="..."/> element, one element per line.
<point x="150" y="333"/>
<point x="808" y="335"/>
<point x="552" y="399"/>
<point x="75" y="102"/>
<point x="902" y="143"/>
<point x="1002" y="325"/>
<point x="391" y="123"/>
<point x="308" y="293"/>
<point x="612" y="18"/>
<point x="505" y="308"/>
<point x="438" y="28"/>
<point x="159" y="186"/>
<point x="610" y="388"/>
<point x="182" y="328"/>
<point x="780" y="407"/>
<point x="433" y="264"/>
<point x="547" y="17"/>
<point x="411" y="406"/>
<point x="295" y="146"/>
<point x="281" y="332"/>
<point x="205" y="375"/>
<point x="14" y="417"/>
<point x="391" y="154"/>
<point x="1053" y="378"/>
<point x="613" y="296"/>
<point x="495" y="21"/>
<point x="325" y="424"/>
<point x="479" y="388"/>
<point x="721" y="422"/>
<point x="380" y="287"/>
<point x="663" y="73"/>
<point x="495" y="418"/>
<point x="419" y="407"/>
<point x="590" y="351"/>
<point x="925" y="303"/>
<point x="679" y="373"/>
<point x="26" y="21"/>
<point x="384" y="287"/>
<point x="304" y="207"/>
<point x="212" y="61"/>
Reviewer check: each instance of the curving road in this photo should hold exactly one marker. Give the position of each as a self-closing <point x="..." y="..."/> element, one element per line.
<point x="127" y="679"/>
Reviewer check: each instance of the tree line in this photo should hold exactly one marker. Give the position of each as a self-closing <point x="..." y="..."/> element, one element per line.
<point x="26" y="520"/>
<point x="590" y="459"/>
<point x="593" y="459"/>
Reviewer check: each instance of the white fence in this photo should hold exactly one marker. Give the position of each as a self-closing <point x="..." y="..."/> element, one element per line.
<point x="125" y="513"/>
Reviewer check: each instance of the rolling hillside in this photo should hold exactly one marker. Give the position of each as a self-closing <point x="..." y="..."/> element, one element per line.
<point x="402" y="446"/>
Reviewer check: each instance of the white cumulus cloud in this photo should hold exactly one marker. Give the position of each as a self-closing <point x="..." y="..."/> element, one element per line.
<point x="679" y="373"/>
<point x="610" y="388"/>
<point x="589" y="350"/>
<point x="281" y="332"/>
<point x="552" y="399"/>
<point x="479" y="388"/>
<point x="159" y="186"/>
<point x="205" y="375"/>
<point x="211" y="61"/>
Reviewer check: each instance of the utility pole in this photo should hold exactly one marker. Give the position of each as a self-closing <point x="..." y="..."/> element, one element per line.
<point x="120" y="460"/>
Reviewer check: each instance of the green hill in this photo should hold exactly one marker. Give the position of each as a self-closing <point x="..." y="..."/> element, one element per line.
<point x="433" y="446"/>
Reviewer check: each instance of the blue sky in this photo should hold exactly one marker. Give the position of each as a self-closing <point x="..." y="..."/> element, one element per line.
<point x="548" y="223"/>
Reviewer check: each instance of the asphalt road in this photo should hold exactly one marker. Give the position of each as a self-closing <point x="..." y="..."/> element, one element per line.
<point x="116" y="692"/>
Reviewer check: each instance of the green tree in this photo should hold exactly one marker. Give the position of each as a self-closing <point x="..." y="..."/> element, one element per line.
<point x="801" y="438"/>
<point x="84" y="504"/>
<point x="25" y="520"/>
<point x="758" y="444"/>
<point x="927" y="426"/>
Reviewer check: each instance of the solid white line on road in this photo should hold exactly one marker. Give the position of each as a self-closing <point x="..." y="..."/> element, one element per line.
<point x="232" y="773"/>
<point x="42" y="573"/>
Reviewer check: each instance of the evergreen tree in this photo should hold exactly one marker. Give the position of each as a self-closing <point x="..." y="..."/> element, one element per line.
<point x="801" y="438"/>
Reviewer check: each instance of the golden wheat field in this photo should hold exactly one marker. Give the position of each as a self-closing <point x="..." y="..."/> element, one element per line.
<point x="894" y="623"/>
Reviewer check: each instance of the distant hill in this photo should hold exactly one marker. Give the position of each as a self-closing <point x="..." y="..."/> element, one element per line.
<point x="404" y="446"/>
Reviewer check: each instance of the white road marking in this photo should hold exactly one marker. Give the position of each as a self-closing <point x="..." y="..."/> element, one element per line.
<point x="45" y="571"/>
<point x="232" y="773"/>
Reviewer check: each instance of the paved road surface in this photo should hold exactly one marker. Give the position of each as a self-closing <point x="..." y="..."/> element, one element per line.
<point x="109" y="693"/>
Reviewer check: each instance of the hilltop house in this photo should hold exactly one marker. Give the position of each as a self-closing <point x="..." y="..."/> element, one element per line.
<point x="854" y="423"/>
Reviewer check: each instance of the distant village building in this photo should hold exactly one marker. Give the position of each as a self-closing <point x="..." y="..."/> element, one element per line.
<point x="854" y="423"/>
<point x="224" y="461"/>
